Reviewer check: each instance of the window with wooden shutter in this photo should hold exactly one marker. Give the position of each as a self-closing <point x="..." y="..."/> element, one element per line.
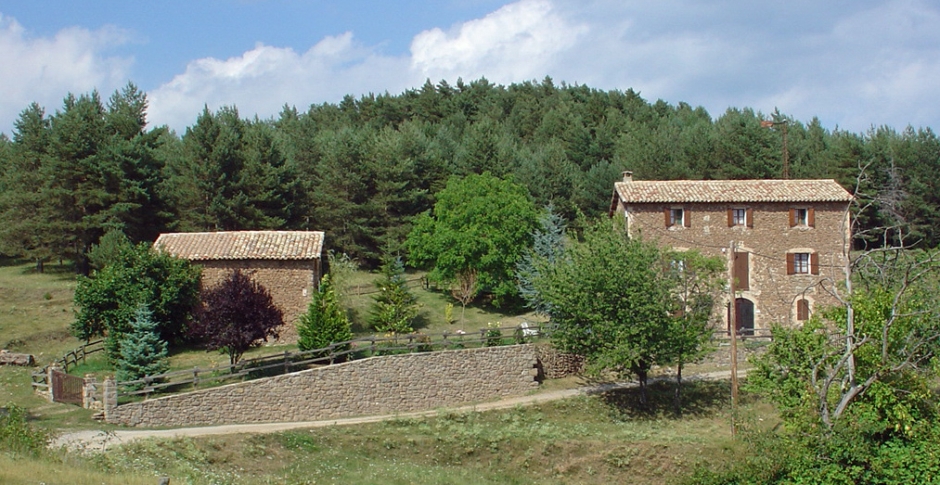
<point x="677" y="217"/>
<point x="738" y="217"/>
<point x="802" y="263"/>
<point x="802" y="309"/>
<point x="802" y="217"/>
<point x="741" y="271"/>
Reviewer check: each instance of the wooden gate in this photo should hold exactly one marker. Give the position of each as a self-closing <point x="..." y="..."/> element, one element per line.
<point x="66" y="388"/>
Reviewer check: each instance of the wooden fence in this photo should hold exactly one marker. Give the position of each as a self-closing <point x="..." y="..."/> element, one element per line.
<point x="72" y="358"/>
<point x="358" y="348"/>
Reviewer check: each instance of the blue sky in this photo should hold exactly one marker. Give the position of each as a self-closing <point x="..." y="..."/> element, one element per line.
<point x="853" y="63"/>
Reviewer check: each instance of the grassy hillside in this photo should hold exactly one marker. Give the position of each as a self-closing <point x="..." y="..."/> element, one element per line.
<point x="589" y="439"/>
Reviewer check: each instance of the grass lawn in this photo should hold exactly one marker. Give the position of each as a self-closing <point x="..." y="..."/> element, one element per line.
<point x="361" y="291"/>
<point x="36" y="309"/>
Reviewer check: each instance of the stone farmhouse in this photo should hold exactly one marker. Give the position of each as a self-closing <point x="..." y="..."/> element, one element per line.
<point x="786" y="242"/>
<point x="286" y="263"/>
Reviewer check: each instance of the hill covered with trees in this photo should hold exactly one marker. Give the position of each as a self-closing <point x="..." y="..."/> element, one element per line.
<point x="362" y="169"/>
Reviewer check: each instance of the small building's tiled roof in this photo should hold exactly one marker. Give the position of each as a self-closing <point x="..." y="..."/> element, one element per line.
<point x="281" y="245"/>
<point x="732" y="191"/>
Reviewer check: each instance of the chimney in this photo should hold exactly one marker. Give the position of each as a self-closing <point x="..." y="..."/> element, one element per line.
<point x="628" y="176"/>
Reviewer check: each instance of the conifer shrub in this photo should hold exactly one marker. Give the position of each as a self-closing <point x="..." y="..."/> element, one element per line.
<point x="395" y="307"/>
<point x="142" y="351"/>
<point x="325" y="322"/>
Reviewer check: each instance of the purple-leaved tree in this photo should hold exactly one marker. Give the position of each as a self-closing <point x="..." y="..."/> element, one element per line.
<point x="236" y="316"/>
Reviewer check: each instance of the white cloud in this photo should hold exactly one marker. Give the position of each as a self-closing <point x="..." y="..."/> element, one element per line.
<point x="44" y="70"/>
<point x="517" y="42"/>
<point x="261" y="81"/>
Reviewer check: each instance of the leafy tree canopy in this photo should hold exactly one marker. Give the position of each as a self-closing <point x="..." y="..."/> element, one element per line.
<point x="618" y="301"/>
<point x="139" y="275"/>
<point x="480" y="224"/>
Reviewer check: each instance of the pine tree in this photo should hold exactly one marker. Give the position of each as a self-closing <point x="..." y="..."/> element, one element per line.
<point x="325" y="321"/>
<point x="142" y="351"/>
<point x="547" y="245"/>
<point x="395" y="308"/>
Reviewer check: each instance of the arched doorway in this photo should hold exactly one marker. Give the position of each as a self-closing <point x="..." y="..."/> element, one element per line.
<point x="744" y="316"/>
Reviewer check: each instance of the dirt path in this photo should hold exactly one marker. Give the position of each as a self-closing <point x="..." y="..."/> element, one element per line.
<point x="94" y="440"/>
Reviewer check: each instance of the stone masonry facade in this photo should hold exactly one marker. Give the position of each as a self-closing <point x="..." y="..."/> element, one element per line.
<point x="377" y="385"/>
<point x="286" y="263"/>
<point x="766" y="239"/>
<point x="290" y="284"/>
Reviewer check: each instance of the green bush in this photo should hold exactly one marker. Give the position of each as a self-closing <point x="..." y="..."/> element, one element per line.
<point x="107" y="300"/>
<point x="18" y="436"/>
<point x="493" y="336"/>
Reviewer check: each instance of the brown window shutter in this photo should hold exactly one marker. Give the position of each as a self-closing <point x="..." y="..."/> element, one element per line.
<point x="811" y="217"/>
<point x="687" y="216"/>
<point x="802" y="309"/>
<point x="814" y="263"/>
<point x="730" y="217"/>
<point x="790" y="269"/>
<point x="792" y="217"/>
<point x="749" y="216"/>
<point x="667" y="213"/>
<point x="741" y="271"/>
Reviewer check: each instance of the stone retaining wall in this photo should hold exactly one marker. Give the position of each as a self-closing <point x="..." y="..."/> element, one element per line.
<point x="555" y="364"/>
<point x="377" y="385"/>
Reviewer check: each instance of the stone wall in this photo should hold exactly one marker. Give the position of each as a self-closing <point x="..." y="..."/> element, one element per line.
<point x="290" y="283"/>
<point x="377" y="385"/>
<point x="554" y="364"/>
<point x="772" y="290"/>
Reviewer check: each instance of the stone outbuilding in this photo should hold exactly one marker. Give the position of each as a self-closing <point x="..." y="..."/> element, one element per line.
<point x="786" y="242"/>
<point x="286" y="263"/>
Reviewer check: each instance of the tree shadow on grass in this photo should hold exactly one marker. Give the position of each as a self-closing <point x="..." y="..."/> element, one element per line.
<point x="699" y="398"/>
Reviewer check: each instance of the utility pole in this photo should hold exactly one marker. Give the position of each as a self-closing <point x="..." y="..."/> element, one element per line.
<point x="733" y="325"/>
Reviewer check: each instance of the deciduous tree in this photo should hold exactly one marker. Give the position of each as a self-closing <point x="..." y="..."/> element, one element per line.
<point x="480" y="224"/>
<point x="611" y="302"/>
<point x="139" y="275"/>
<point x="237" y="315"/>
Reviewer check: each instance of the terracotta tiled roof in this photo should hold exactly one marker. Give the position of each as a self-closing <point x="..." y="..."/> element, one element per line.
<point x="653" y="191"/>
<point x="203" y="246"/>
